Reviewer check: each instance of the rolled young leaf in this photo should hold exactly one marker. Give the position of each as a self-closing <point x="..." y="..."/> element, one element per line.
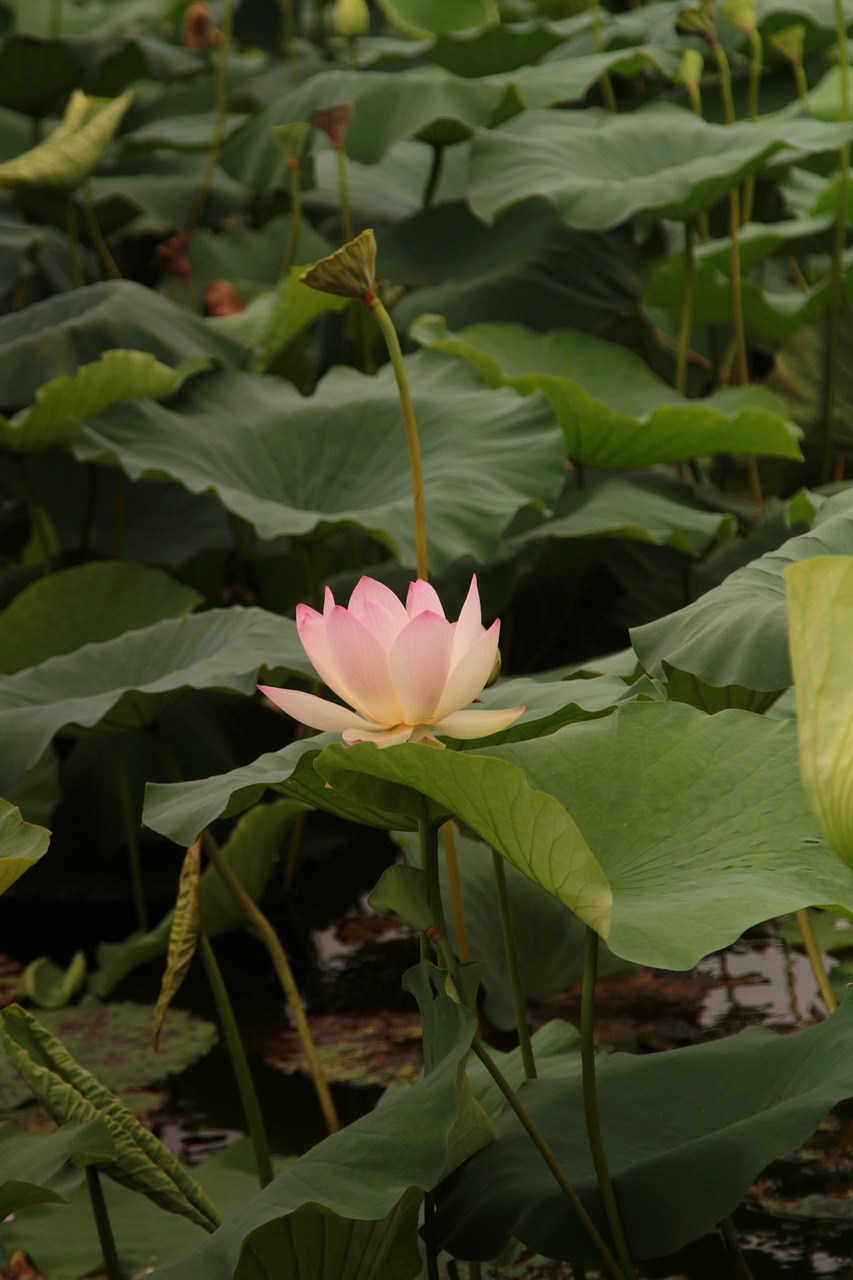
<point x="183" y="935"/>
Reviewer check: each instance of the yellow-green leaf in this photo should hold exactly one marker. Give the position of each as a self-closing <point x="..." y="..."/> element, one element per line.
<point x="62" y="161"/>
<point x="820" y="611"/>
<point x="183" y="935"/>
<point x="21" y="844"/>
<point x="52" y="987"/>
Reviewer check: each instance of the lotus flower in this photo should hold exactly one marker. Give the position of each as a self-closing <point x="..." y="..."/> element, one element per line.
<point x="406" y="672"/>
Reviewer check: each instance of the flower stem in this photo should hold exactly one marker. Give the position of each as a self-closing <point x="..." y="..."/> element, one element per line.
<point x="518" y="1003"/>
<point x="389" y="333"/>
<point x="239" y="1063"/>
<point x="836" y="297"/>
<point x="295" y="215"/>
<point x="739" y="1262"/>
<point x="112" y="1266"/>
<point x="590" y="1104"/>
<point x="108" y="262"/>
<point x="815" y="956"/>
<point x="221" y="92"/>
<point x="131" y="835"/>
<point x="434" y="175"/>
<point x="605" y="83"/>
<point x="73" y="229"/>
<point x="686" y="308"/>
<point x="756" y="63"/>
<point x="284" y="973"/>
<point x="448" y="835"/>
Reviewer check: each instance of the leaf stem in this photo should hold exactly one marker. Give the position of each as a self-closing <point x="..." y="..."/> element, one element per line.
<point x="108" y="262"/>
<point x="518" y="1003"/>
<point x="295" y="215"/>
<point x="434" y="175"/>
<point x="605" y="83"/>
<point x="73" y="229"/>
<point x="131" y="835"/>
<point x="112" y="1266"/>
<point x="590" y="1104"/>
<point x="216" y="137"/>
<point x="686" y="308"/>
<point x="739" y="1262"/>
<point x="830" y="364"/>
<point x="454" y="884"/>
<point x="239" y="1062"/>
<point x="389" y="333"/>
<point x="815" y="956"/>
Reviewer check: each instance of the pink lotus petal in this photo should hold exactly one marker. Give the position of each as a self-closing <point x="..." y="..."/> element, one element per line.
<point x="328" y="602"/>
<point x="362" y="665"/>
<point x="469" y="628"/>
<point x="384" y="738"/>
<point x="316" y="712"/>
<point x="422" y="733"/>
<point x="470" y="674"/>
<point x="419" y="663"/>
<point x="370" y="589"/>
<point x="383" y="624"/>
<point x="422" y="596"/>
<point x="476" y="724"/>
<point x="311" y="626"/>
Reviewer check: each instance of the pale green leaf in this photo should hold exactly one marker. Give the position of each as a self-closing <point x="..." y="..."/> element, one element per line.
<point x="52" y="987"/>
<point x="21" y="844"/>
<point x="183" y="935"/>
<point x="68" y="156"/>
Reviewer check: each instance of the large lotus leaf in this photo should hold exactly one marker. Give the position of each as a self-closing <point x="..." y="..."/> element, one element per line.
<point x="85" y="605"/>
<point x="358" y="1176"/>
<point x="251" y="257"/>
<point x="251" y="852"/>
<point x="63" y="403"/>
<point x="36" y="76"/>
<point x="21" y="844"/>
<point x="653" y="508"/>
<point x="615" y="412"/>
<point x="38" y="17"/>
<point x="58" y="335"/>
<point x="549" y="939"/>
<point x="668" y="161"/>
<point x="44" y="1168"/>
<point x="67" y="157"/>
<point x="685" y="1132"/>
<point x="735" y="637"/>
<point x="155" y="192"/>
<point x="429" y="17"/>
<point x="527" y="826"/>
<point x="501" y="48"/>
<point x="32" y="257"/>
<point x="180" y="811"/>
<point x="699" y="822"/>
<point x="127" y="682"/>
<point x="179" y="133"/>
<point x="273" y="319"/>
<point x="820" y="604"/>
<point x="797" y="379"/>
<point x="292" y="465"/>
<point x="528" y="266"/>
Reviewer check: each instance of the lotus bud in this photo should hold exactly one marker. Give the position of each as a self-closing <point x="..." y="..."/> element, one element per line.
<point x="789" y="42"/>
<point x="334" y="122"/>
<point x="293" y="139"/>
<point x="692" y="66"/>
<point x="351" y="18"/>
<point x="349" y="272"/>
<point x="740" y="13"/>
<point x="698" y="19"/>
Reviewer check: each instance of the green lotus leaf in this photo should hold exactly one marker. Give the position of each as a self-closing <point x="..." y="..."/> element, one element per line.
<point x="48" y="1168"/>
<point x="668" y="160"/>
<point x="67" y="157"/>
<point x="820" y="611"/>
<point x="430" y="17"/>
<point x="732" y="643"/>
<point x="21" y="844"/>
<point x="116" y="685"/>
<point x="275" y="457"/>
<point x="677" y="1168"/>
<point x="615" y="412"/>
<point x="57" y="336"/>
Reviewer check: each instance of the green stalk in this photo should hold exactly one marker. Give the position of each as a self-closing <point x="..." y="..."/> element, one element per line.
<point x="454" y="884"/>
<point x="239" y="1062"/>
<point x="604" y="80"/>
<point x="108" y="262"/>
<point x="221" y="92"/>
<point x="687" y="298"/>
<point x="513" y="970"/>
<point x="739" y="1262"/>
<point x="475" y="1271"/>
<point x="756" y="63"/>
<point x="131" y="835"/>
<point x="815" y="956"/>
<point x="119" y="512"/>
<point x="429" y="1236"/>
<point x="73" y="229"/>
<point x="106" y="1239"/>
<point x="389" y="333"/>
<point x="836" y="297"/>
<point x="801" y="83"/>
<point x="590" y="1104"/>
<point x="295" y="215"/>
<point x="434" y="175"/>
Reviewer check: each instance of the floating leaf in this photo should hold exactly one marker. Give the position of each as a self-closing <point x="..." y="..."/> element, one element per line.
<point x="183" y="935"/>
<point x="275" y="457"/>
<point x="615" y="412"/>
<point x="51" y="987"/>
<point x="21" y="844"/>
<point x="70" y="153"/>
<point x="116" y="685"/>
<point x="379" y="1048"/>
<point x="677" y="1168"/>
<point x="70" y="1093"/>
<point x="430" y="17"/>
<point x="36" y="1166"/>
<point x="64" y="403"/>
<point x="46" y="618"/>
